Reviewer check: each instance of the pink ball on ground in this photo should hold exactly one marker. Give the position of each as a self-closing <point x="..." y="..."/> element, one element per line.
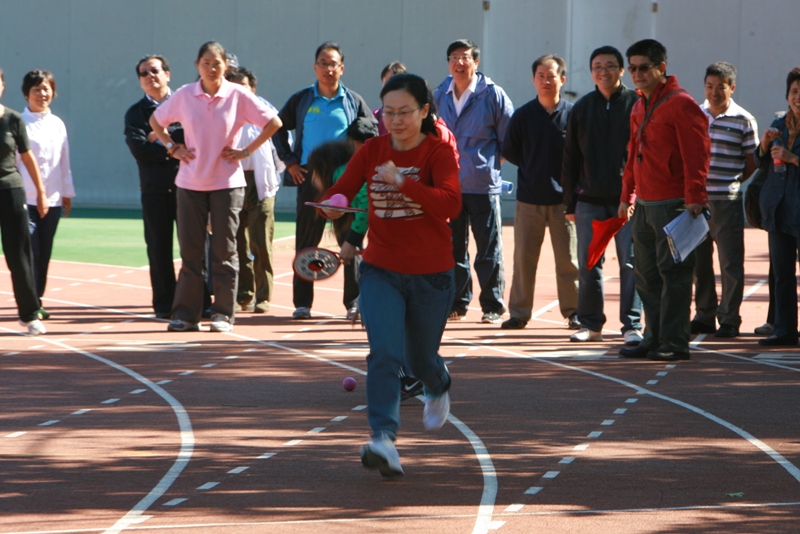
<point x="349" y="383"/>
<point x="338" y="200"/>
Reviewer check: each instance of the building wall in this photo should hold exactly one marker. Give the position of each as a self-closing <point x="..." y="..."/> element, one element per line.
<point x="92" y="47"/>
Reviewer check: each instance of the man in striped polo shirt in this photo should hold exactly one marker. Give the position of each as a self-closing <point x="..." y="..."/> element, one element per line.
<point x="734" y="135"/>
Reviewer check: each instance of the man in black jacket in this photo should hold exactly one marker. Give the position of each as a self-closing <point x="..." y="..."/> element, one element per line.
<point x="316" y="114"/>
<point x="595" y="152"/>
<point x="157" y="171"/>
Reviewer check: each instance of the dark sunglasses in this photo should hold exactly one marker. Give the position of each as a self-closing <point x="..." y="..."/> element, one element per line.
<point x="154" y="71"/>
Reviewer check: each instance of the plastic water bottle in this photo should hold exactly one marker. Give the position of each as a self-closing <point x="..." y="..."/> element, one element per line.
<point x="779" y="164"/>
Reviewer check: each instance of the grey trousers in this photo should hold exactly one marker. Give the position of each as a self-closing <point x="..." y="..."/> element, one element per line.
<point x="726" y="229"/>
<point x="195" y="210"/>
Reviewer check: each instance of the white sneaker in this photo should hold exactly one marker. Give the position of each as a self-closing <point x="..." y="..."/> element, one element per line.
<point x="434" y="416"/>
<point x="584" y="334"/>
<point x="379" y="453"/>
<point x="220" y="323"/>
<point x="765" y="329"/>
<point x="633" y="337"/>
<point x="34" y="327"/>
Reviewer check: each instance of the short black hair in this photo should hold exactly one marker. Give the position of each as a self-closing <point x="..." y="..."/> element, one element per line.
<point x="794" y="75"/>
<point x="558" y="60"/>
<point x="329" y="45"/>
<point x="237" y="74"/>
<point x="724" y="70"/>
<point x="655" y="51"/>
<point x="36" y="77"/>
<point x="162" y="59"/>
<point x="464" y="43"/>
<point x="361" y="129"/>
<point x="607" y="50"/>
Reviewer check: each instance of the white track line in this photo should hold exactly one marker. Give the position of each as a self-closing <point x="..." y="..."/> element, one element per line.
<point x="134" y="516"/>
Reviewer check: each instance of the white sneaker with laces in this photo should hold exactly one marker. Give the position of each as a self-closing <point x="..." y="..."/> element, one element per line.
<point x="379" y="453"/>
<point x="633" y="337"/>
<point x="34" y="327"/>
<point x="584" y="334"/>
<point x="220" y="323"/>
<point x="766" y="329"/>
<point x="434" y="416"/>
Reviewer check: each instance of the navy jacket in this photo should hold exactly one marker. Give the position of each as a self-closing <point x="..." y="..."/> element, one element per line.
<point x="157" y="170"/>
<point x="780" y="195"/>
<point x="535" y="144"/>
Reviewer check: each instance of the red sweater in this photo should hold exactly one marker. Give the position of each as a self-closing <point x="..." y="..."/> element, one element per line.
<point x="675" y="149"/>
<point x="408" y="230"/>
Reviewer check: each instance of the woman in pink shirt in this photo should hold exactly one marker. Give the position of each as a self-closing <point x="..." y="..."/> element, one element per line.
<point x="210" y="182"/>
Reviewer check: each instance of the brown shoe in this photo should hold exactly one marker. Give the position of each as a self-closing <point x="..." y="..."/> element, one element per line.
<point x="262" y="307"/>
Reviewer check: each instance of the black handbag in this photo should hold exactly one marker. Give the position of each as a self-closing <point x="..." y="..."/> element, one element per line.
<point x="752" y="208"/>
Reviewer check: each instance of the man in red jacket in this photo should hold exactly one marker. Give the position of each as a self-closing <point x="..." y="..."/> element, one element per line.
<point x="668" y="158"/>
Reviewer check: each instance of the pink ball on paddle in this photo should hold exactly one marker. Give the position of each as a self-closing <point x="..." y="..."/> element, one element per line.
<point x="338" y="200"/>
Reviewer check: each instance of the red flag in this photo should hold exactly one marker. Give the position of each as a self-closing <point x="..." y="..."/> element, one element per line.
<point x="602" y="232"/>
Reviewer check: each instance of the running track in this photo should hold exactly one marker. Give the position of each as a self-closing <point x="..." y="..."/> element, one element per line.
<point x="111" y="424"/>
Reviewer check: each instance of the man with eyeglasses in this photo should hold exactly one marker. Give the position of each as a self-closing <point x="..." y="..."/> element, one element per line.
<point x="535" y="144"/>
<point x="157" y="171"/>
<point x="477" y="111"/>
<point x="668" y="160"/>
<point x="316" y="114"/>
<point x="595" y="152"/>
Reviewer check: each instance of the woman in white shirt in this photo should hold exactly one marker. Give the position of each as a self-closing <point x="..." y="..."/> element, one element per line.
<point x="48" y="140"/>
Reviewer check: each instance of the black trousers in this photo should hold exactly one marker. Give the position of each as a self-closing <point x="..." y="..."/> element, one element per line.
<point x="16" y="239"/>
<point x="159" y="213"/>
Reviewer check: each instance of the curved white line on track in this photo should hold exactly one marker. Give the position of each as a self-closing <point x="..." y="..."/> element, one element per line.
<point x="792" y="469"/>
<point x="134" y="516"/>
<point x="489" y="494"/>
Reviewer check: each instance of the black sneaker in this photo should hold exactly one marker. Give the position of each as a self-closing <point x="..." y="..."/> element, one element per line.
<point x="515" y="323"/>
<point x="410" y="387"/>
<point x="573" y="323"/>
<point x="698" y="327"/>
<point x="726" y="330"/>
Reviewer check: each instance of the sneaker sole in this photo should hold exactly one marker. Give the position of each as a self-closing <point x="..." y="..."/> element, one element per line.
<point x="193" y="328"/>
<point x="372" y="460"/>
<point x="222" y="330"/>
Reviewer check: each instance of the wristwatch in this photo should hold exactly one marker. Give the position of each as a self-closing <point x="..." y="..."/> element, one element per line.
<point x="169" y="146"/>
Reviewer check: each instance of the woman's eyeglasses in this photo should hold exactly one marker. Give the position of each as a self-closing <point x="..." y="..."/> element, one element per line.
<point x="398" y="114"/>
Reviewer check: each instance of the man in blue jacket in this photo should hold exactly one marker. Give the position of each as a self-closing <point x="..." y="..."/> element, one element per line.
<point x="318" y="113"/>
<point x="477" y="112"/>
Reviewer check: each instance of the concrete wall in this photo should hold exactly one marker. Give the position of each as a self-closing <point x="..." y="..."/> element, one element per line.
<point x="92" y="47"/>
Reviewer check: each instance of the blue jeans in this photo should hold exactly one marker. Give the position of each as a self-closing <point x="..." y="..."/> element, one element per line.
<point x="405" y="316"/>
<point x="43" y="232"/>
<point x="482" y="212"/>
<point x="591" y="294"/>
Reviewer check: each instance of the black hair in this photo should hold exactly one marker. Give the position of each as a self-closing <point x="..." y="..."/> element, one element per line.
<point x="237" y="74"/>
<point x="464" y="43"/>
<point x="418" y="88"/>
<point x="215" y="47"/>
<point x="607" y="50"/>
<point x="2" y="76"/>
<point x="329" y="45"/>
<point x="558" y="60"/>
<point x="395" y="67"/>
<point x="361" y="129"/>
<point x="655" y="51"/>
<point x="323" y="161"/>
<point x="724" y="70"/>
<point x="162" y="59"/>
<point x="794" y="75"/>
<point x="36" y="77"/>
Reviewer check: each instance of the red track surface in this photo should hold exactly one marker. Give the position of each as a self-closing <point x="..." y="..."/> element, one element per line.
<point x="109" y="423"/>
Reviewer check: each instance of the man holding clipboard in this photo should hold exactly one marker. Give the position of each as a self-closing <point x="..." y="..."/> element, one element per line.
<point x="668" y="158"/>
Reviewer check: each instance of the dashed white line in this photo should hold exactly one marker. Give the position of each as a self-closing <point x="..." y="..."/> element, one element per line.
<point x="316" y="430"/>
<point x="662" y="373"/>
<point x="175" y="502"/>
<point x="551" y="474"/>
<point x="137" y="391"/>
<point x="206" y="366"/>
<point x="110" y="401"/>
<point x="515" y="508"/>
<point x="162" y="382"/>
<point x="567" y="460"/>
<point x="581" y="447"/>
<point x="620" y="411"/>
<point x="595" y="434"/>
<point x="238" y="470"/>
<point x="10" y="353"/>
<point x="533" y="490"/>
<point x="207" y="486"/>
<point x="359" y="407"/>
<point x="494" y="525"/>
<point x="186" y="373"/>
<point x="306" y="329"/>
<point x="107" y="327"/>
<point x="16" y="434"/>
<point x="607" y="422"/>
<point x="631" y="401"/>
<point x="50" y="422"/>
<point x="266" y="455"/>
<point x="652" y="382"/>
<point x="338" y="418"/>
<point x="287" y="336"/>
<point x="81" y="412"/>
<point x="292" y="443"/>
